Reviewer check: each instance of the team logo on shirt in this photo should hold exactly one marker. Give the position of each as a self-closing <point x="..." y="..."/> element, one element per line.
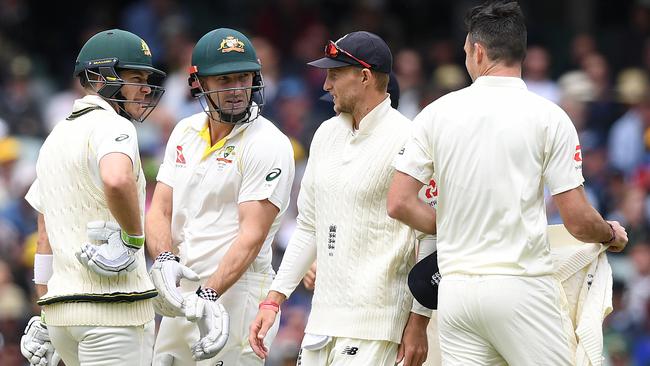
<point x="331" y="240"/>
<point x="180" y="159"/>
<point x="223" y="157"/>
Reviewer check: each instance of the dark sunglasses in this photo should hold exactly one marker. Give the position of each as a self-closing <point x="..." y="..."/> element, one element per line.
<point x="332" y="51"/>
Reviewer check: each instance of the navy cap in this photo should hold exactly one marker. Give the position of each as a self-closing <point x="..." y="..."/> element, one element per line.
<point x="424" y="279"/>
<point x="364" y="46"/>
<point x="393" y="90"/>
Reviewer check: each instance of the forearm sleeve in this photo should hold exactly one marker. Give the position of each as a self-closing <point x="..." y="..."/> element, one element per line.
<point x="300" y="254"/>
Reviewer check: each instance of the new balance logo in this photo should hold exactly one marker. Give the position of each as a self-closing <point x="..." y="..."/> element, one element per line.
<point x="350" y="351"/>
<point x="436" y="278"/>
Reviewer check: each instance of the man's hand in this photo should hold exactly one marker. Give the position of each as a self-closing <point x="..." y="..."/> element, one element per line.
<point x="620" y="237"/>
<point x="166" y="274"/>
<point x="111" y="257"/>
<point x="213" y="322"/>
<point x="414" y="347"/>
<point x="35" y="344"/>
<point x="309" y="281"/>
<point x="259" y="328"/>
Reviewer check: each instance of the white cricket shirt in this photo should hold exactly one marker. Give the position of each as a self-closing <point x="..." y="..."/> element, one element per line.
<point x="253" y="163"/>
<point x="493" y="146"/>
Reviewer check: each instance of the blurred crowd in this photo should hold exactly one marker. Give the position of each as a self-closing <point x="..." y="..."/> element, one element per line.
<point x="600" y="77"/>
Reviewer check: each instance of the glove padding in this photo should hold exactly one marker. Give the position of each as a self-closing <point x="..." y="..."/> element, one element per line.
<point x="110" y="258"/>
<point x="213" y="322"/>
<point x="166" y="274"/>
<point x="35" y="344"/>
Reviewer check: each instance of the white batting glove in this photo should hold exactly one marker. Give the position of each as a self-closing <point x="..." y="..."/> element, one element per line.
<point x="213" y="322"/>
<point x="116" y="255"/>
<point x="166" y="273"/>
<point x="35" y="344"/>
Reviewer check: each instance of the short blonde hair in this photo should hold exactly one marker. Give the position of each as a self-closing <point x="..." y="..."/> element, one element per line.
<point x="382" y="80"/>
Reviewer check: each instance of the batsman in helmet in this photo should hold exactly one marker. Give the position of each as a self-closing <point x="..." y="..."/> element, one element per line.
<point x="89" y="267"/>
<point x="222" y="190"/>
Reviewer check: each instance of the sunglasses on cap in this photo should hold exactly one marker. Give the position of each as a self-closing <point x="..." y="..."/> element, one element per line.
<point x="332" y="51"/>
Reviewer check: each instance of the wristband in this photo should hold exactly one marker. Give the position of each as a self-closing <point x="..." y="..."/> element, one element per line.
<point x="207" y="293"/>
<point x="167" y="256"/>
<point x="43" y="268"/>
<point x="270" y="305"/>
<point x="613" y="235"/>
<point x="133" y="241"/>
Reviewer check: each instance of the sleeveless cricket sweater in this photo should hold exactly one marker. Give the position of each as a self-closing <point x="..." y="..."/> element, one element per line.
<point x="77" y="296"/>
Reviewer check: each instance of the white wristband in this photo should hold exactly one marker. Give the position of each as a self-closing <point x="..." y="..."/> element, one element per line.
<point x="42" y="268"/>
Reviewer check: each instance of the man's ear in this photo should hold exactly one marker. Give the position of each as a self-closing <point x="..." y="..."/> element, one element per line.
<point x="480" y="52"/>
<point x="366" y="76"/>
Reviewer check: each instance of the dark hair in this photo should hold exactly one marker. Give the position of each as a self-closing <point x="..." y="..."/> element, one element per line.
<point x="499" y="26"/>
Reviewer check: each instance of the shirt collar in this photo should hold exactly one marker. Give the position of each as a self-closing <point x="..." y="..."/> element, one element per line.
<point x="199" y="124"/>
<point x="92" y="100"/>
<point x="368" y="123"/>
<point x="500" y="81"/>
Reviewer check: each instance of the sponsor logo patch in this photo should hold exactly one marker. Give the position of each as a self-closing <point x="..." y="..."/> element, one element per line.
<point x="274" y="173"/>
<point x="180" y="159"/>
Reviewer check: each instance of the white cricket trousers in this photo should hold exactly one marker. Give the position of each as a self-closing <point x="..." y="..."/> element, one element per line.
<point x="350" y="352"/>
<point x="504" y="320"/>
<point x="104" y="346"/>
<point x="177" y="335"/>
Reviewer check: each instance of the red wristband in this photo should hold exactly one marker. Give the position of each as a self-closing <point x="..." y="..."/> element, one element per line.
<point x="270" y="305"/>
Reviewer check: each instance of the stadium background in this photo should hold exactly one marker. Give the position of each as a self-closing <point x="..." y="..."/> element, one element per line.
<point x="591" y="57"/>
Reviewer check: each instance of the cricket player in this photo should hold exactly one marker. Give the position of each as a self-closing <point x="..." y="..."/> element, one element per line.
<point x="361" y="309"/>
<point x="492" y="147"/>
<point x="222" y="189"/>
<point x="89" y="267"/>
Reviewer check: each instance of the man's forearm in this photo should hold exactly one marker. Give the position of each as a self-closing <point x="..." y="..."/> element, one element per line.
<point x="580" y="218"/>
<point x="43" y="247"/>
<point x="236" y="261"/>
<point x="276" y="297"/>
<point x="592" y="228"/>
<point x="124" y="205"/>
<point x="158" y="233"/>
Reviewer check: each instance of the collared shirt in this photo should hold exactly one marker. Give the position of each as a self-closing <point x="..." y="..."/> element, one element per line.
<point x="253" y="163"/>
<point x="491" y="148"/>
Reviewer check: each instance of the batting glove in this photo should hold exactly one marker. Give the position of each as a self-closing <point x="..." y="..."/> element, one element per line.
<point x="115" y="255"/>
<point x="213" y="322"/>
<point x="166" y="273"/>
<point x="35" y="344"/>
